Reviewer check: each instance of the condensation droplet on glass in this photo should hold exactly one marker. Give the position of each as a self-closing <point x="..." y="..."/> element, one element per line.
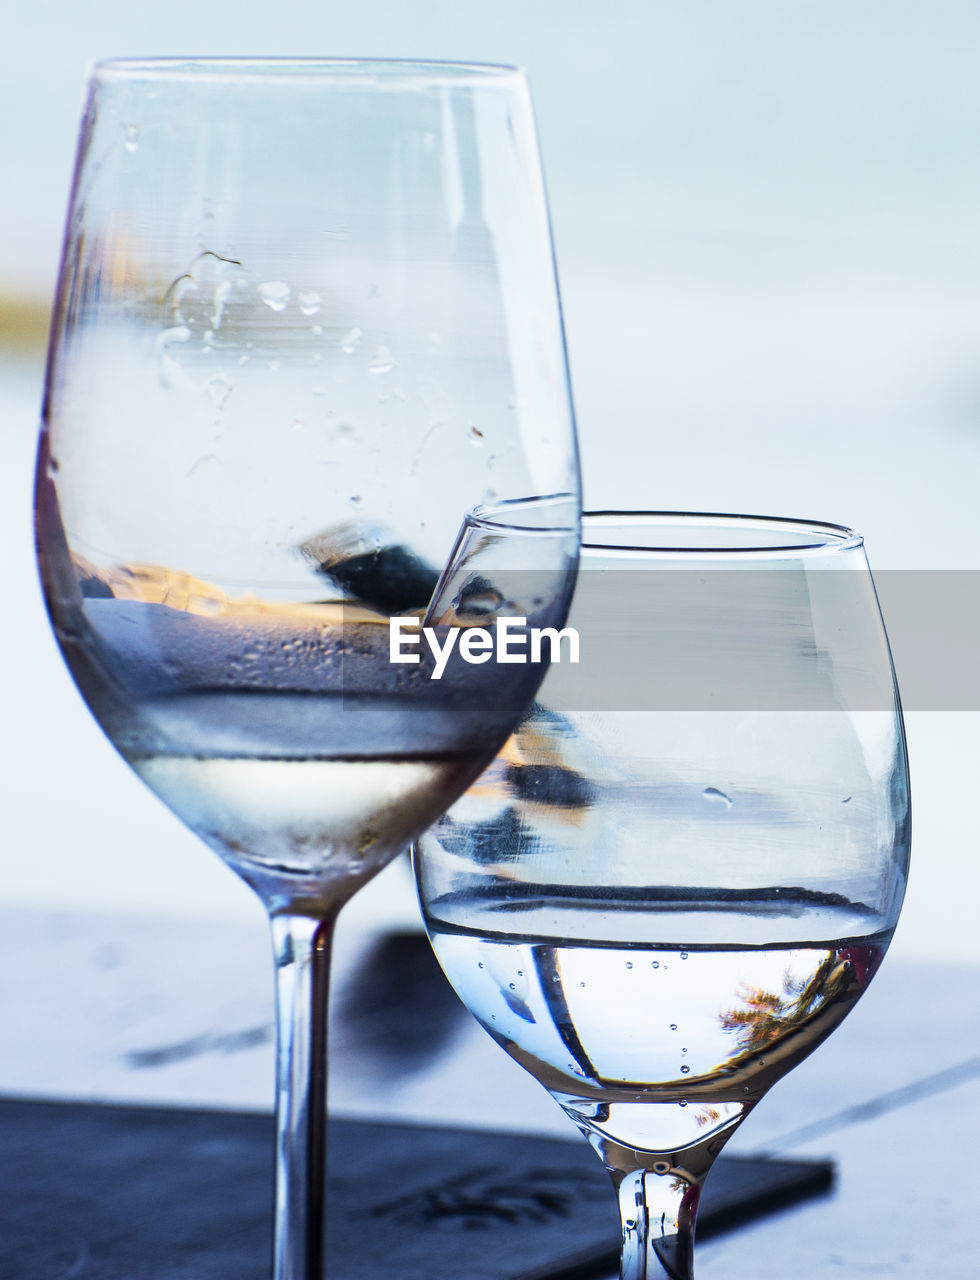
<point x="274" y="293"/>
<point x="654" y="964"/>
<point x="682" y="1103"/>
<point x="219" y="389"/>
<point x="520" y="973"/>
<point x="171" y="374"/>
<point x="513" y="986"/>
<point x="673" y="1026"/>
<point x="629" y="964"/>
<point x="685" y="1069"/>
<point x="183" y="297"/>
<point x="179" y="333"/>
<point x="383" y="361"/>
<point x="479" y="964"/>
<point x="273" y="365"/>
<point x="683" y="955"/>
<point x="316" y="330"/>
<point x="476" y="436"/>
<point x="131" y="140"/>
<point x="581" y="984"/>
<point x="683" y="1051"/>
<point x="243" y="359"/>
<point x="308" y="301"/>
<point x="350" y="340"/>
<point x="716" y="796"/>
<point x="219" y="298"/>
<point x="355" y="500"/>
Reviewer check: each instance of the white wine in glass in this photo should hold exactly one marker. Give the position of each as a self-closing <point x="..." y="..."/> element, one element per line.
<point x="306" y="374"/>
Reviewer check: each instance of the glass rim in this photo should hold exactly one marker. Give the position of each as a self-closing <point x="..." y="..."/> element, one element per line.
<point x="302" y="68"/>
<point x="785" y="536"/>
<point x="511" y="514"/>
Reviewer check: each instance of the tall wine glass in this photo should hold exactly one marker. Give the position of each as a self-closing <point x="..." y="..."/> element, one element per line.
<point x="307" y="349"/>
<point x="686" y="865"/>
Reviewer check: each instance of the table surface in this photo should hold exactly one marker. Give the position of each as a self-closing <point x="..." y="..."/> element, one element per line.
<point x="180" y="1013"/>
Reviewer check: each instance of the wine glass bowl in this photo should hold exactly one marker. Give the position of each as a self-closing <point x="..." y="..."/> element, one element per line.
<point x="684" y="868"/>
<point x="286" y="364"/>
<point x="307" y="374"/>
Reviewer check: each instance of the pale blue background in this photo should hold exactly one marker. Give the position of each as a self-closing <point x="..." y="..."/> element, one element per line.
<point x="767" y="217"/>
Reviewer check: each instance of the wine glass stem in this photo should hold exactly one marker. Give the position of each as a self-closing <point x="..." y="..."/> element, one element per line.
<point x="302" y="954"/>
<point x="658" y="1213"/>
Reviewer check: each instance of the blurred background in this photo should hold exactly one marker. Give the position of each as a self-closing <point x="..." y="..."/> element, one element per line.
<point x="767" y="223"/>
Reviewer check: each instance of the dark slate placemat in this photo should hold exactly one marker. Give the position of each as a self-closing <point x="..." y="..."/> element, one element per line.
<point x="133" y="1193"/>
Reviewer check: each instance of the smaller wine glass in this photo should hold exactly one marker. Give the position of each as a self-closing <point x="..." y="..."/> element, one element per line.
<point x="685" y="866"/>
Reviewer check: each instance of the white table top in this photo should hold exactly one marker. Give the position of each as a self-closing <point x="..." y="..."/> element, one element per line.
<point x="181" y="1012"/>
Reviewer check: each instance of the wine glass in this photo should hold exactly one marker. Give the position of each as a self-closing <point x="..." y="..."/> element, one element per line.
<point x="685" y="866"/>
<point x="307" y="352"/>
